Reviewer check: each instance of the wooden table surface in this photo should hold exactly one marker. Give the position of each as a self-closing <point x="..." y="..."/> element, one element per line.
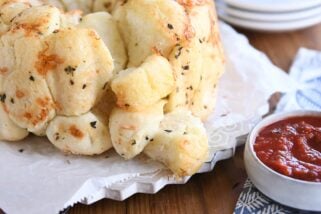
<point x="216" y="191"/>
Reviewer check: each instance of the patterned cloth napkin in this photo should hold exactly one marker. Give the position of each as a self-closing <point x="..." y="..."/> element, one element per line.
<point x="306" y="71"/>
<point x="253" y="201"/>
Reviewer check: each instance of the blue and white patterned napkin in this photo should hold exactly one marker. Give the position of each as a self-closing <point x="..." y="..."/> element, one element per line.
<point x="306" y="71"/>
<point x="252" y="201"/>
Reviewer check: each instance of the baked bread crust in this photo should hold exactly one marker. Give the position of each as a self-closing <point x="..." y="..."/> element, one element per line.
<point x="136" y="75"/>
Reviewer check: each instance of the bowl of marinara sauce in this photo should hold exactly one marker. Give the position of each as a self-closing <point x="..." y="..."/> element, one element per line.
<point x="283" y="158"/>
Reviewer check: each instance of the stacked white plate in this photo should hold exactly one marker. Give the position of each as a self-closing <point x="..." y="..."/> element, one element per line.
<point x="270" y="15"/>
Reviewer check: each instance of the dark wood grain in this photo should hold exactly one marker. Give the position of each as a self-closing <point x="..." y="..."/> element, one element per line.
<point x="282" y="47"/>
<point x="216" y="191"/>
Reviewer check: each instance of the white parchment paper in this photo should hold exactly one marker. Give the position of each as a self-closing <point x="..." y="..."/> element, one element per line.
<point x="37" y="178"/>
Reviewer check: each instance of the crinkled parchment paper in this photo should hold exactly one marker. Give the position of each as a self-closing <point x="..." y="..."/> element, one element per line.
<point x="36" y="178"/>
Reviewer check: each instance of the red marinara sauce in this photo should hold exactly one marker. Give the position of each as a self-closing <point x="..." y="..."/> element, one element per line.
<point x="292" y="147"/>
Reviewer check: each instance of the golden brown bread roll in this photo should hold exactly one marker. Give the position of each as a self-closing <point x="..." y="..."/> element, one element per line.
<point x="82" y="69"/>
<point x="132" y="131"/>
<point x="141" y="87"/>
<point x="148" y="29"/>
<point x="85" y="134"/>
<point x="106" y="27"/>
<point x="181" y="143"/>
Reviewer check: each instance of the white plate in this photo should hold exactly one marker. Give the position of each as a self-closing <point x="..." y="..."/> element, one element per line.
<point x="268" y="16"/>
<point x="270" y="26"/>
<point x="274" y="5"/>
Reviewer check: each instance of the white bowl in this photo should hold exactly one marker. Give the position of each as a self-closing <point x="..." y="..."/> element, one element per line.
<point x="291" y="192"/>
